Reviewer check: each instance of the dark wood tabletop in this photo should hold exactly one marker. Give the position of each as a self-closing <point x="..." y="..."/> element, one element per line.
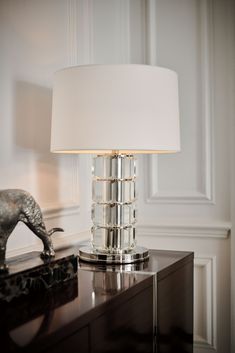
<point x="99" y="303"/>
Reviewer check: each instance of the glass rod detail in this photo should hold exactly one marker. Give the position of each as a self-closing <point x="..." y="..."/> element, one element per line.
<point x="114" y="206"/>
<point x="114" y="211"/>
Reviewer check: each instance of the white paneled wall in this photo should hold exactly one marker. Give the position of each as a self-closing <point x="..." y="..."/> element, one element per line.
<point x="184" y="199"/>
<point x="36" y="39"/>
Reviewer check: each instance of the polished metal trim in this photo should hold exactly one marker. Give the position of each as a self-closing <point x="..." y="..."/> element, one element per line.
<point x="114" y="203"/>
<point x="138" y="254"/>
<point x="111" y="227"/>
<point x="115" y="155"/>
<point x="96" y="178"/>
<point x="124" y="267"/>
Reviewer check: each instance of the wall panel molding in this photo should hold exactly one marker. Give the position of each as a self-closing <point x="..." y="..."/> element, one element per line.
<point x="79" y="51"/>
<point x="206" y="265"/>
<point x="125" y="34"/>
<point x="72" y="32"/>
<point x="56" y="210"/>
<point x="72" y="206"/>
<point x="206" y="192"/>
<point x="167" y="229"/>
<point x="151" y="32"/>
<point x="80" y="32"/>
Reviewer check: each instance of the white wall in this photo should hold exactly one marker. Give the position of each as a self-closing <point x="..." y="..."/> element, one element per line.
<point x="35" y="42"/>
<point x="184" y="200"/>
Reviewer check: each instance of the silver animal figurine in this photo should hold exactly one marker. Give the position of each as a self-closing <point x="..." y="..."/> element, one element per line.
<point x="18" y="205"/>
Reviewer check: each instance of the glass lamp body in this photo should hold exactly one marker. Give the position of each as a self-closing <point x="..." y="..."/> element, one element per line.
<point x="114" y="212"/>
<point x="114" y="203"/>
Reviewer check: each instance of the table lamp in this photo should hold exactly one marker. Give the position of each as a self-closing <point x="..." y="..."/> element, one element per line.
<point x="115" y="112"/>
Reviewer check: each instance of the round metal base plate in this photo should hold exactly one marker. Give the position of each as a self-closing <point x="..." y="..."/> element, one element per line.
<point x="139" y="254"/>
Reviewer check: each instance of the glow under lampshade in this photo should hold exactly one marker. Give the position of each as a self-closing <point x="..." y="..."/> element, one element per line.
<point x="115" y="111"/>
<point x="127" y="108"/>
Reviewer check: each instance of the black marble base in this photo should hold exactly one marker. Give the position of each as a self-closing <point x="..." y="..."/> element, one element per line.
<point x="29" y="274"/>
<point x="18" y="311"/>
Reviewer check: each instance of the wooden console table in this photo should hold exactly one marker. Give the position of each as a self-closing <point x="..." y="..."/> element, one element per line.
<point x="147" y="307"/>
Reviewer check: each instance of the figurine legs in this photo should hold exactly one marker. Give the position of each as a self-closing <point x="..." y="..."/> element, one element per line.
<point x="3" y="266"/>
<point x="42" y="234"/>
<point x="3" y="246"/>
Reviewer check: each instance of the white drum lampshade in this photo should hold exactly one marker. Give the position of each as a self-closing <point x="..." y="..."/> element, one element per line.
<point x="115" y="111"/>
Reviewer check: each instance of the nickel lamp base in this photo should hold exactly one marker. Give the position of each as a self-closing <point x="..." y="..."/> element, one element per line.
<point x="89" y="254"/>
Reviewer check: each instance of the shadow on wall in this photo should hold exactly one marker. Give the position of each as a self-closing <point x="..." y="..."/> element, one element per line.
<point x="32" y="132"/>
